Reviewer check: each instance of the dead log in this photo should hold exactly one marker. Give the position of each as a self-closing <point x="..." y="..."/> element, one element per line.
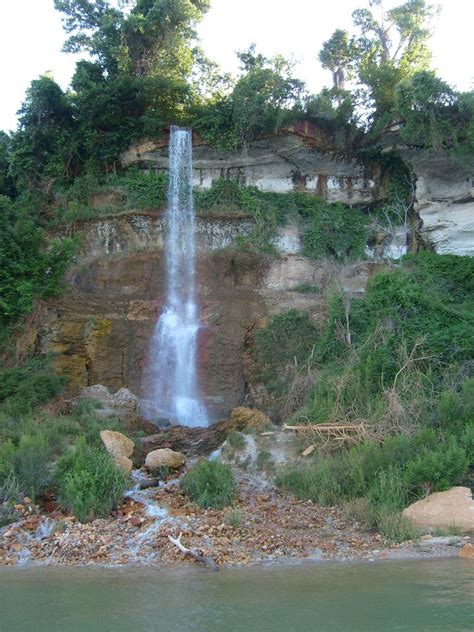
<point x="207" y="561"/>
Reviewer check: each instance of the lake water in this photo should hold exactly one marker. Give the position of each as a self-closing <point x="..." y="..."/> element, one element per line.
<point x="415" y="595"/>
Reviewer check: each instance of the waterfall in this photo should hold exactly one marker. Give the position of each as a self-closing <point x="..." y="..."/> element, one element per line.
<point x="172" y="363"/>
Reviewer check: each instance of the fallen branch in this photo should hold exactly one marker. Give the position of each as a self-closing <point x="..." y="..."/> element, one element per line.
<point x="208" y="561"/>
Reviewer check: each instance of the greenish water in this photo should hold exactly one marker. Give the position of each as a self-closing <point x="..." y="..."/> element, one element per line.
<point x="428" y="595"/>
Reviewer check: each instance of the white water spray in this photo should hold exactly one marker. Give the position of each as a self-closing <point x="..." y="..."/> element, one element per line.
<point x="172" y="365"/>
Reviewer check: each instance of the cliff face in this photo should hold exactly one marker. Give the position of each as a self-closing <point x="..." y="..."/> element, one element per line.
<point x="99" y="330"/>
<point x="445" y="202"/>
<point x="289" y="162"/>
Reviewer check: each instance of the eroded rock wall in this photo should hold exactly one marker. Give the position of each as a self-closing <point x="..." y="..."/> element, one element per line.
<point x="293" y="161"/>
<point x="444" y="200"/>
<point x="99" y="330"/>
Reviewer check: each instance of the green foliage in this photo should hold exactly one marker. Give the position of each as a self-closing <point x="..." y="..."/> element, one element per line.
<point x="337" y="232"/>
<point x="144" y="190"/>
<point x="89" y="483"/>
<point x="30" y="268"/>
<point x="307" y="288"/>
<point x="7" y="460"/>
<point x="288" y="340"/>
<point x="338" y="55"/>
<point x="382" y="478"/>
<point x="235" y="518"/>
<point x="263" y="99"/>
<point x="152" y="38"/>
<point x="24" y="388"/>
<point x="431" y="110"/>
<point x="236" y="440"/>
<point x="288" y="337"/>
<point x="32" y="464"/>
<point x="394" y="526"/>
<point x="437" y="469"/>
<point x="43" y="149"/>
<point x="210" y="484"/>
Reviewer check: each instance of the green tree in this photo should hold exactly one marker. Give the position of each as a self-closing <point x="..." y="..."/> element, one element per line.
<point x="28" y="268"/>
<point x="43" y="148"/>
<point x="431" y="111"/>
<point x="338" y="55"/>
<point x="391" y="45"/>
<point x="6" y="183"/>
<point x="264" y="95"/>
<point x="151" y="37"/>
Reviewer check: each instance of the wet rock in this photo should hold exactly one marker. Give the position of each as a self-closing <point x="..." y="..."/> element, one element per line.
<point x="190" y="441"/>
<point x="454" y="507"/>
<point x="164" y="457"/>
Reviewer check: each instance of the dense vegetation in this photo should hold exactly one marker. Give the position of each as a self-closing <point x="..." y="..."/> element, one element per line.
<point x="42" y="453"/>
<point x="400" y="361"/>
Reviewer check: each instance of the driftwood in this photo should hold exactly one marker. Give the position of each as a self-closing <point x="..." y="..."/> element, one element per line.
<point x="208" y="561"/>
<point x="337" y="433"/>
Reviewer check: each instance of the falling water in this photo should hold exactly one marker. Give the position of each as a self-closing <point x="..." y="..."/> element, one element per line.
<point x="172" y="366"/>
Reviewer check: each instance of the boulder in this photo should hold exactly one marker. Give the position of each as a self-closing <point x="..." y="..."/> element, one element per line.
<point x="121" y="404"/>
<point x="123" y="463"/>
<point x="467" y="552"/>
<point x="120" y="447"/>
<point x="116" y="443"/>
<point x="454" y="507"/>
<point x="164" y="457"/>
<point x="251" y="418"/>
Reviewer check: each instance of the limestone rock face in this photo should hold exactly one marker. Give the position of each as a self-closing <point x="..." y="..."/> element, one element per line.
<point x="301" y="159"/>
<point x="445" y="201"/>
<point x="120" y="404"/>
<point x="443" y="509"/>
<point x="244" y="417"/>
<point x="164" y="457"/>
<point x="120" y="447"/>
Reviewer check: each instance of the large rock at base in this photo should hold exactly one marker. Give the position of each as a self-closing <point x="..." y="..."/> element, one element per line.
<point x="116" y="443"/>
<point x="121" y="404"/>
<point x="120" y="447"/>
<point x="164" y="457"/>
<point x="454" y="507"/>
<point x="467" y="552"/>
<point x="250" y="418"/>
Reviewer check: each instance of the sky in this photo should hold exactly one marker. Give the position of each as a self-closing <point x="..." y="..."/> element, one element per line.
<point x="31" y="37"/>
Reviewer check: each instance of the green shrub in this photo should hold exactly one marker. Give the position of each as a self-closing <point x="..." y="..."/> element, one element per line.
<point x="235" y="518"/>
<point x="24" y="388"/>
<point x="33" y="464"/>
<point x="437" y="469"/>
<point x="389" y="490"/>
<point x="89" y="483"/>
<point x="288" y="338"/>
<point x="324" y="481"/>
<point x="210" y="484"/>
<point x="394" y="526"/>
<point x="307" y="288"/>
<point x="236" y="440"/>
<point x="338" y="232"/>
<point x="7" y="460"/>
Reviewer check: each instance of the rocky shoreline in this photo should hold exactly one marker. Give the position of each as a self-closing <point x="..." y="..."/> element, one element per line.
<point x="265" y="526"/>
